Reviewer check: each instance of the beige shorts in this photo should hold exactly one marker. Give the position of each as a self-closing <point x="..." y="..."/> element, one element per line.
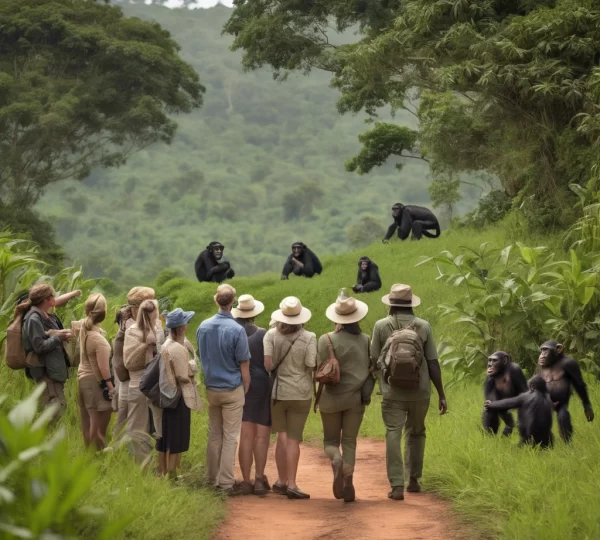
<point x="290" y="416"/>
<point x="90" y="395"/>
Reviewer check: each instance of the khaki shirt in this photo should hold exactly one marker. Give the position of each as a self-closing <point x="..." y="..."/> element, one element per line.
<point x="295" y="372"/>
<point x="382" y="330"/>
<point x="95" y="351"/>
<point x="352" y="353"/>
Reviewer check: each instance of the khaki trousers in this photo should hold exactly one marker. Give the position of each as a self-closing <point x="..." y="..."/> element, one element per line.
<point x="137" y="424"/>
<point x="342" y="428"/>
<point x="224" y="423"/>
<point x="410" y="417"/>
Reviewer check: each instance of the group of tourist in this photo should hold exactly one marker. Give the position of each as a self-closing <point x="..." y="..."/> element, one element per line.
<point x="258" y="381"/>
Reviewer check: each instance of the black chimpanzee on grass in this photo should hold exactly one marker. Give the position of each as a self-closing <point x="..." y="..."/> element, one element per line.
<point x="302" y="262"/>
<point x="367" y="279"/>
<point x="415" y="219"/>
<point x="210" y="265"/>
<point x="505" y="380"/>
<point x="535" y="412"/>
<point x="560" y="373"/>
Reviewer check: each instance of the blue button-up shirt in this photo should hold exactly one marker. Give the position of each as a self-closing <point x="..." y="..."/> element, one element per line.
<point x="222" y="344"/>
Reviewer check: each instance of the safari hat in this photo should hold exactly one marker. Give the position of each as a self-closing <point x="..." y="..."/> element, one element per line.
<point x="401" y="296"/>
<point x="247" y="307"/>
<point x="138" y="294"/>
<point x="291" y="312"/>
<point x="346" y="309"/>
<point x="178" y="318"/>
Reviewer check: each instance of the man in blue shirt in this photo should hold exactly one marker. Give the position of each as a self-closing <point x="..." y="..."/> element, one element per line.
<point x="225" y="359"/>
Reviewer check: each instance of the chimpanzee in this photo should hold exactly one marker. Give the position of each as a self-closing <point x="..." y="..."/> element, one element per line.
<point x="210" y="265"/>
<point x="535" y="412"/>
<point x="368" y="279"/>
<point x="412" y="218"/>
<point x="505" y="380"/>
<point x="302" y="261"/>
<point x="560" y="372"/>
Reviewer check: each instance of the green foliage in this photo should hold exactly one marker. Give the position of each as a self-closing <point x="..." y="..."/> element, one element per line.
<point x="41" y="487"/>
<point x="492" y="208"/>
<point x="366" y="231"/>
<point x="81" y="86"/>
<point x="258" y="167"/>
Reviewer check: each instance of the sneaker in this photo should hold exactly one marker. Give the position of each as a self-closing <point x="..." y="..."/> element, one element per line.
<point x="413" y="486"/>
<point x="397" y="494"/>
<point x="338" y="479"/>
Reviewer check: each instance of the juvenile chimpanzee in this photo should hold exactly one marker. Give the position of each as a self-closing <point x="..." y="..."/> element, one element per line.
<point x="210" y="265"/>
<point x="302" y="262"/>
<point x="560" y="373"/>
<point x="505" y="380"/>
<point x="535" y="412"/>
<point x="368" y="279"/>
<point x="415" y="219"/>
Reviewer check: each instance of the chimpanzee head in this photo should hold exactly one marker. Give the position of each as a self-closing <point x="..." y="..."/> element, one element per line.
<point x="364" y="263"/>
<point x="397" y="209"/>
<point x="497" y="363"/>
<point x="550" y="353"/>
<point x="537" y="383"/>
<point x="216" y="248"/>
<point x="298" y="249"/>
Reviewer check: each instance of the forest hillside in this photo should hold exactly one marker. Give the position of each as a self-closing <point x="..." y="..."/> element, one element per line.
<point x="259" y="166"/>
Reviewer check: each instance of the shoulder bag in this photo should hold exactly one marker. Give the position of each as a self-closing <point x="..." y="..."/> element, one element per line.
<point x="328" y="372"/>
<point x="273" y="373"/>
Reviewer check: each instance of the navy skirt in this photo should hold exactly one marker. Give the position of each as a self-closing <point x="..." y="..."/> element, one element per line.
<point x="257" y="408"/>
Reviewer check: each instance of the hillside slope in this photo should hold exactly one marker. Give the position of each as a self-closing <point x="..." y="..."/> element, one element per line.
<point x="258" y="167"/>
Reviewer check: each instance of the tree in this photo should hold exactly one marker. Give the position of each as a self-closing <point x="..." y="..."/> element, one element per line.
<point x="510" y="89"/>
<point x="82" y="86"/>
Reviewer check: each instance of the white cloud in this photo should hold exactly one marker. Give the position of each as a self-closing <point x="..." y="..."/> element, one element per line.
<point x="199" y="3"/>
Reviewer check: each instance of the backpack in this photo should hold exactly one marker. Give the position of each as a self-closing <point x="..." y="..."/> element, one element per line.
<point x="15" y="356"/>
<point x="117" y="359"/>
<point x="404" y="358"/>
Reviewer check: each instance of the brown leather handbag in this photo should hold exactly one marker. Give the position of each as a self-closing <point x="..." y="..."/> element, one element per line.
<point x="328" y="372"/>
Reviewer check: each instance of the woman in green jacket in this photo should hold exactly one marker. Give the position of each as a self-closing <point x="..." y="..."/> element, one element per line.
<point x="342" y="405"/>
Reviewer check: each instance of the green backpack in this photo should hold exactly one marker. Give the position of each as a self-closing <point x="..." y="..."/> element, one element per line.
<point x="404" y="358"/>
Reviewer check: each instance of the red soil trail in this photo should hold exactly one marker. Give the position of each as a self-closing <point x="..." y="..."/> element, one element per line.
<point x="372" y="516"/>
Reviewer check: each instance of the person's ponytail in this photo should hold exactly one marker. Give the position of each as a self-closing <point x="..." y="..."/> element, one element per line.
<point x="145" y="316"/>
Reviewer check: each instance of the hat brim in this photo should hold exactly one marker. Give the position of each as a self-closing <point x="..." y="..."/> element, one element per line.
<point x="415" y="301"/>
<point x="187" y="317"/>
<point x="361" y="312"/>
<point x="301" y="318"/>
<point x="259" y="307"/>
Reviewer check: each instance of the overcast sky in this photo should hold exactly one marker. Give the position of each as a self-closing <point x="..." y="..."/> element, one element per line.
<point x="199" y="3"/>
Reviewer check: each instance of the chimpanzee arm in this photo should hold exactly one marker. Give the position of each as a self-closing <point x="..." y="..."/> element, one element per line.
<point x="221" y="267"/>
<point x="359" y="276"/>
<point x="307" y="261"/>
<point x="405" y="225"/>
<point x="573" y="372"/>
<point x="518" y="378"/>
<point x="390" y="232"/>
<point x="201" y="266"/>
<point x="508" y="403"/>
<point x="374" y="274"/>
<point x="288" y="267"/>
<point x="489" y="387"/>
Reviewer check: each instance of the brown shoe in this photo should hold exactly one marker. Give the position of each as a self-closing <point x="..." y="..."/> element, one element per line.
<point x="280" y="490"/>
<point x="259" y="487"/>
<point x="266" y="482"/>
<point x="245" y="488"/>
<point x="413" y="486"/>
<point x="397" y="494"/>
<point x="338" y="479"/>
<point x="349" y="492"/>
<point x="297" y="494"/>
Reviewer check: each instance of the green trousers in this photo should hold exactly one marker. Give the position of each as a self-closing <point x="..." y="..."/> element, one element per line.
<point x="410" y="417"/>
<point x="342" y="428"/>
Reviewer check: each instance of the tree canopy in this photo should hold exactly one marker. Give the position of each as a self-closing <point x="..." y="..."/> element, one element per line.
<point x="507" y="88"/>
<point x="82" y="86"/>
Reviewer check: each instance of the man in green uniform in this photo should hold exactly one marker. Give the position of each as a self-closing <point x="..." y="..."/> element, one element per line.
<point x="402" y="408"/>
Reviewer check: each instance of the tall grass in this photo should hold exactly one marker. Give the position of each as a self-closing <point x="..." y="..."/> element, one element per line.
<point x="500" y="490"/>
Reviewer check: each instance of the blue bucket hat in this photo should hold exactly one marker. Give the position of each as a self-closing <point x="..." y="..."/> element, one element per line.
<point x="178" y="318"/>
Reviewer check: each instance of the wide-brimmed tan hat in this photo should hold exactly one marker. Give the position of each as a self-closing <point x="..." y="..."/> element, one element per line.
<point x="346" y="309"/>
<point x="138" y="294"/>
<point x="291" y="312"/>
<point x="401" y="296"/>
<point x="247" y="307"/>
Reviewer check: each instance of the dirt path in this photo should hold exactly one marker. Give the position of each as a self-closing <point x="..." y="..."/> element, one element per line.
<point x="372" y="516"/>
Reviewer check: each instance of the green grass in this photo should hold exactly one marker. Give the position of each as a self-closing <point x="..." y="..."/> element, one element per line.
<point x="498" y="489"/>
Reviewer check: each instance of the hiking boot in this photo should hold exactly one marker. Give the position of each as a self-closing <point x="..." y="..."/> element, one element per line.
<point x="259" y="487"/>
<point x="397" y="494"/>
<point x="413" y="486"/>
<point x="338" y="478"/>
<point x="349" y="493"/>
